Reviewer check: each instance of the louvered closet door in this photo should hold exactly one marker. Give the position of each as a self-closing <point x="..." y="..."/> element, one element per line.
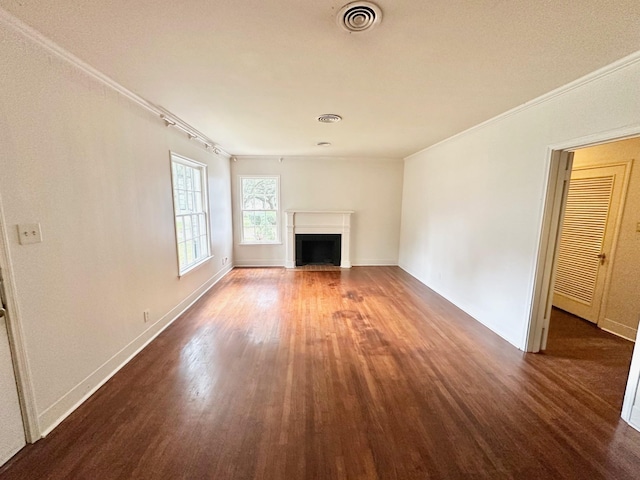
<point x="593" y="205"/>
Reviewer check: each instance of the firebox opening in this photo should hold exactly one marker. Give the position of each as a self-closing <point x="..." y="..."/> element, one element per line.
<point x="314" y="249"/>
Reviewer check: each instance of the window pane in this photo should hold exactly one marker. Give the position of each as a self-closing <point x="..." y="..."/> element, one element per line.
<point x="180" y="171"/>
<point x="189" y="201"/>
<point x="195" y="226"/>
<point x="270" y="233"/>
<point x="180" y="229"/>
<point x="196" y="248"/>
<point x="198" y="200"/>
<point x="197" y="180"/>
<point x="182" y="201"/>
<point x="249" y="234"/>
<point x="187" y="227"/>
<point x="271" y="218"/>
<point x="189" y="178"/>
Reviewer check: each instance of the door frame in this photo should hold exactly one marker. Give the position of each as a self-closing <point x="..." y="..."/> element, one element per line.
<point x="611" y="253"/>
<point x="16" y="340"/>
<point x="559" y="163"/>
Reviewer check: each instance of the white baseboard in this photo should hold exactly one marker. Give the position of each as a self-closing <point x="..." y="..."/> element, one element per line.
<point x="618" y="329"/>
<point x="364" y="262"/>
<point x="61" y="409"/>
<point x="466" y="309"/>
<point x="281" y="263"/>
<point x="259" y="263"/>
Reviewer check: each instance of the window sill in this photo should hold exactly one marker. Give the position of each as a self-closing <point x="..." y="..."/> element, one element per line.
<point x="194" y="266"/>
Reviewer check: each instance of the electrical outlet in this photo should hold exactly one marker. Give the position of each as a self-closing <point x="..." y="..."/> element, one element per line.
<point x="29" y="233"/>
<point x="225" y="260"/>
<point x="146" y="314"/>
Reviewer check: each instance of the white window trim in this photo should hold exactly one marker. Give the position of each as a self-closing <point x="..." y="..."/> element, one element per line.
<point x="174" y="157"/>
<point x="278" y="240"/>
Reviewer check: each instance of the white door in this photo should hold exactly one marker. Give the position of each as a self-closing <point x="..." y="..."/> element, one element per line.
<point x="588" y="231"/>
<point x="11" y="427"/>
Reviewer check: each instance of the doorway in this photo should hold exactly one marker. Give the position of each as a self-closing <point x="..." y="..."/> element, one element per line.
<point x="12" y="433"/>
<point x="604" y="288"/>
<point x="18" y="414"/>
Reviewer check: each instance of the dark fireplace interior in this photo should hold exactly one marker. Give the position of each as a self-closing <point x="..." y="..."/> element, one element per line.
<point x="313" y="249"/>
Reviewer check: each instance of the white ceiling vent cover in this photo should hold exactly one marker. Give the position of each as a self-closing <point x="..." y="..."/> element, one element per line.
<point x="329" y="118"/>
<point x="359" y="17"/>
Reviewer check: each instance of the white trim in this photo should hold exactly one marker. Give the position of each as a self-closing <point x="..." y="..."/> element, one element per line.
<point x="259" y="263"/>
<point x="281" y="263"/>
<point x="544" y="268"/>
<point x="462" y="307"/>
<point x="365" y="262"/>
<point x="64" y="406"/>
<point x="313" y="221"/>
<point x="630" y="412"/>
<point x="558" y="168"/>
<point x="204" y="191"/>
<point x="22" y="369"/>
<point x="550" y="223"/>
<point x="49" y="45"/>
<point x="634" y="418"/>
<point x="618" y="329"/>
<point x="586" y="79"/>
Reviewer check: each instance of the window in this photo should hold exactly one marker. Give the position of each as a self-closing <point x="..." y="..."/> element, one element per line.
<point x="260" y="203"/>
<point x="189" y="180"/>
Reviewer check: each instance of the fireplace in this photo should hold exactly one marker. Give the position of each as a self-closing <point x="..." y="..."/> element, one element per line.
<point x="318" y="249"/>
<point x="319" y="224"/>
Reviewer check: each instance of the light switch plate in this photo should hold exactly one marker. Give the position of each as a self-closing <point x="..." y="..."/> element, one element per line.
<point x="29" y="233"/>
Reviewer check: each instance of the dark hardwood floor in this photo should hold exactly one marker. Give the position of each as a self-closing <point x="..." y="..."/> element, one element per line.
<point x="356" y="374"/>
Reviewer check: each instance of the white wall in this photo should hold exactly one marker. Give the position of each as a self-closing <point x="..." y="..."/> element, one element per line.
<point x="93" y="168"/>
<point x="472" y="205"/>
<point x="371" y="187"/>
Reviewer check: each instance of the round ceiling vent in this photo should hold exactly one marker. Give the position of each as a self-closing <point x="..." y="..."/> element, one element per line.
<point x="329" y="118"/>
<point x="359" y="17"/>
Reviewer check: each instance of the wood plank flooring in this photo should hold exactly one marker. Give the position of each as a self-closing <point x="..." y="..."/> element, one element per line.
<point x="353" y="374"/>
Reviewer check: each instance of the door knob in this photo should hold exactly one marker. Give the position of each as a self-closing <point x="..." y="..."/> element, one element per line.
<point x="602" y="258"/>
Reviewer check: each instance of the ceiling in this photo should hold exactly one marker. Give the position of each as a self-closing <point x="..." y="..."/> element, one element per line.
<point x="253" y="75"/>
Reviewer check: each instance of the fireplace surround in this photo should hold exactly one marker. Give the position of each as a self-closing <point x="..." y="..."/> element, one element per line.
<point x="318" y="222"/>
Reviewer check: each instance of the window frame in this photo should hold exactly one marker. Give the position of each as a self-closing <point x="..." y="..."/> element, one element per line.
<point x="278" y="239"/>
<point x="204" y="190"/>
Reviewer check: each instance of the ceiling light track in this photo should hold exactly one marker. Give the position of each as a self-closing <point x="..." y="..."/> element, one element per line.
<point x="191" y="133"/>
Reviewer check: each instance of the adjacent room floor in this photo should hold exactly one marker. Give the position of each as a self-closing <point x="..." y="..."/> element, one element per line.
<point x="597" y="359"/>
<point x="361" y="373"/>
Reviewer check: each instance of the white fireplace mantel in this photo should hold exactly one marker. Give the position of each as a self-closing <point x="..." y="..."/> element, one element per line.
<point x="319" y="222"/>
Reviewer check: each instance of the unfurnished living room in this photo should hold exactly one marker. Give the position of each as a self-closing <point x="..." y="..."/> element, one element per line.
<point x="319" y="239"/>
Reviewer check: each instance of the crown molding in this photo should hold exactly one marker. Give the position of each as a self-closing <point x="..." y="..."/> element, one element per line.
<point x="596" y="75"/>
<point x="18" y="26"/>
